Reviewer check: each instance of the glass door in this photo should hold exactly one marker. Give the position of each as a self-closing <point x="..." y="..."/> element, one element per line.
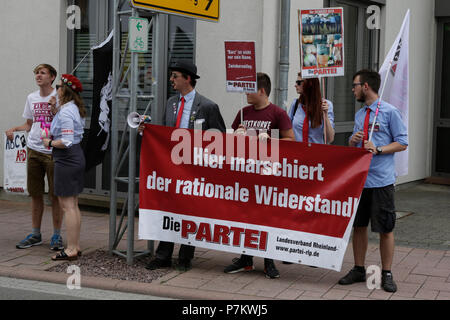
<point x="97" y="18"/>
<point x="441" y="154"/>
<point x="361" y="52"/>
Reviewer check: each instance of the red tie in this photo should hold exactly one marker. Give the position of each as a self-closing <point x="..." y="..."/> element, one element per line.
<point x="366" y="127"/>
<point x="305" y="126"/>
<point x="180" y="113"/>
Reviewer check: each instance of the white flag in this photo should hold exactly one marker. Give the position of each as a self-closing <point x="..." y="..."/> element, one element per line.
<point x="397" y="85"/>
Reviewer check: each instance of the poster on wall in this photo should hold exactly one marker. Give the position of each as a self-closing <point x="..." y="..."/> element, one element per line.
<point x="240" y="65"/>
<point x="321" y="35"/>
<point x="15" y="164"/>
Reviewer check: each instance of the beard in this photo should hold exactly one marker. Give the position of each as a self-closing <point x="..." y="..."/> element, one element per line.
<point x="361" y="98"/>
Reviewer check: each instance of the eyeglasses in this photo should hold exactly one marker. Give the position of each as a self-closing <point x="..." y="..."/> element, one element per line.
<point x="357" y="84"/>
<point x="173" y="75"/>
<point x="299" y="82"/>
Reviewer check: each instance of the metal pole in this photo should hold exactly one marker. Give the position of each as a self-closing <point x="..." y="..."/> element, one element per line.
<point x="379" y="99"/>
<point x="285" y="22"/>
<point x="159" y="64"/>
<point x="114" y="128"/>
<point x="324" y="96"/>
<point x="132" y="155"/>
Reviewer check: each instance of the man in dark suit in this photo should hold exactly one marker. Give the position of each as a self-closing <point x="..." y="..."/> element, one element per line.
<point x="185" y="110"/>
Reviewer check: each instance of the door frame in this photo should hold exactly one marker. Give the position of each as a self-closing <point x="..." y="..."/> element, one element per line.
<point x="437" y="121"/>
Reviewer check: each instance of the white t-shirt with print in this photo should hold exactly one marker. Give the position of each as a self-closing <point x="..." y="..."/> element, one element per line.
<point x="38" y="109"/>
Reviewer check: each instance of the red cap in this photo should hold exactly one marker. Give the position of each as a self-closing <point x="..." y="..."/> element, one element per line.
<point x="72" y="82"/>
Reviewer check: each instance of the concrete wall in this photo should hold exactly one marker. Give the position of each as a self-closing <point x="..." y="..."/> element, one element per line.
<point x="252" y="16"/>
<point x="422" y="55"/>
<point x="256" y="20"/>
<point x="31" y="33"/>
<point x="210" y="50"/>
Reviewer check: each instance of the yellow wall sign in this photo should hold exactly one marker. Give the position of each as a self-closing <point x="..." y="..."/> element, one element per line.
<point x="201" y="9"/>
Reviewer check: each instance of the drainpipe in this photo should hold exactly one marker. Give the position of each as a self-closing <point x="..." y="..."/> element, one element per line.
<point x="284" y="54"/>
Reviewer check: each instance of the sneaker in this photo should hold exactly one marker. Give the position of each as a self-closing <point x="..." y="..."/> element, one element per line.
<point x="240" y="264"/>
<point x="56" y="243"/>
<point x="353" y="276"/>
<point x="387" y="283"/>
<point x="30" y="241"/>
<point x="158" y="264"/>
<point x="270" y="270"/>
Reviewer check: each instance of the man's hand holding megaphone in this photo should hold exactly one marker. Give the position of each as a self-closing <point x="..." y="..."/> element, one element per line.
<point x="141" y="128"/>
<point x="135" y="120"/>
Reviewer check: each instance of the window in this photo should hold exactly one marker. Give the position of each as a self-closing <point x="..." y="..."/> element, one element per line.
<point x="445" y="94"/>
<point x="96" y="22"/>
<point x="361" y="52"/>
<point x="181" y="41"/>
<point x="441" y="144"/>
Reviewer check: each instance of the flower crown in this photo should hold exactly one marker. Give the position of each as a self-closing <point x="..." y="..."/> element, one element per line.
<point x="72" y="82"/>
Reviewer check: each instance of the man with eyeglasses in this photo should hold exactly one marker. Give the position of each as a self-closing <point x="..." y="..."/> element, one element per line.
<point x="187" y="109"/>
<point x="377" y="200"/>
<point x="39" y="158"/>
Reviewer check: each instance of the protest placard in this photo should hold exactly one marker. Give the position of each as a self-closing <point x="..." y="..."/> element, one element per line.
<point x="321" y="35"/>
<point x="240" y="66"/>
<point x="15" y="164"/>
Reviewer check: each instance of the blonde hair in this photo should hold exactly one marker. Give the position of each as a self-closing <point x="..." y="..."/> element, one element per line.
<point x="50" y="69"/>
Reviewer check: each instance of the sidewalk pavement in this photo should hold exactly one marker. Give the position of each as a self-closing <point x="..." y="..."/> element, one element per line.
<point x="421" y="261"/>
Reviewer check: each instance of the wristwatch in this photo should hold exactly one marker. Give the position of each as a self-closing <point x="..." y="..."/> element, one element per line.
<point x="50" y="144"/>
<point x="379" y="150"/>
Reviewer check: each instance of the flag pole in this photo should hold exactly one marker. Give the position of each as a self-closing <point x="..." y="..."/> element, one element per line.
<point x="379" y="100"/>
<point x="322" y="80"/>
<point x="111" y="34"/>
<point x="81" y="61"/>
<point x="242" y="109"/>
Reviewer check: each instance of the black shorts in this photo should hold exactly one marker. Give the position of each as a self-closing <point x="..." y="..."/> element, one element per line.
<point x="377" y="205"/>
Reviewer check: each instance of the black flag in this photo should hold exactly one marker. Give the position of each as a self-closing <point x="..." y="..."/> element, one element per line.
<point x="99" y="134"/>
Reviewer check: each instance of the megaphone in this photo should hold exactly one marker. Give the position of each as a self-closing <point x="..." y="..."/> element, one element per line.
<point x="134" y="119"/>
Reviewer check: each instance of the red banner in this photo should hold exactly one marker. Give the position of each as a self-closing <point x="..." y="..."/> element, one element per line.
<point x="285" y="200"/>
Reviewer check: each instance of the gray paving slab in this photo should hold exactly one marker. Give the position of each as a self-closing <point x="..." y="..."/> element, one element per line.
<point x="421" y="260"/>
<point x="427" y="224"/>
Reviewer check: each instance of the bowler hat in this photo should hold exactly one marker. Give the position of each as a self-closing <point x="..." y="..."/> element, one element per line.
<point x="185" y="66"/>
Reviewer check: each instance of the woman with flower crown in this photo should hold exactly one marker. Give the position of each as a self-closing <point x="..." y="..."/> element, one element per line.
<point x="67" y="130"/>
